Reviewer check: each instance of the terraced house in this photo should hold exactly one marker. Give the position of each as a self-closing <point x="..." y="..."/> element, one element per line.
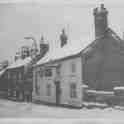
<point x="60" y="75"/>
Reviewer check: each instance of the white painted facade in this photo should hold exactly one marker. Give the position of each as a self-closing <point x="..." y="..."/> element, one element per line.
<point x="42" y="84"/>
<point x="66" y="77"/>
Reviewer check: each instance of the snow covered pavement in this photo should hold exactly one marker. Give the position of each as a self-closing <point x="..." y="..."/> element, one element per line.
<point x="24" y="110"/>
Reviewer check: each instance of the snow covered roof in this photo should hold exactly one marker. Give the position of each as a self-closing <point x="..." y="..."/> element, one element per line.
<point x="100" y="92"/>
<point x="119" y="88"/>
<point x="74" y="48"/>
<point x="19" y="63"/>
<point x="70" y="49"/>
<point x="2" y="72"/>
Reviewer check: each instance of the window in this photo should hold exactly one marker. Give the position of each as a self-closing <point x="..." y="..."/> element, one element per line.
<point x="58" y="69"/>
<point x="48" y="72"/>
<point x="41" y="72"/>
<point x="20" y="76"/>
<point x="73" y="67"/>
<point x="48" y="90"/>
<point x="73" y="92"/>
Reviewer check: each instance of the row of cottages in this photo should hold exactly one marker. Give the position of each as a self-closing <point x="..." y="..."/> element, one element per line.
<point x="20" y="73"/>
<point x="19" y="80"/>
<point x="60" y="75"/>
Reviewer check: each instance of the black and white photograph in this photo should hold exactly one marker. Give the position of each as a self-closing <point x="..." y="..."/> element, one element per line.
<point x="61" y="61"/>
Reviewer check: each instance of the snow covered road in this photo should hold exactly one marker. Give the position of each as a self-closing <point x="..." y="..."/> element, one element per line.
<point x="24" y="110"/>
<point x="18" y="109"/>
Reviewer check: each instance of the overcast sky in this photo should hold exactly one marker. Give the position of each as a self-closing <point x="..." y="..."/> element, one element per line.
<point x="47" y="17"/>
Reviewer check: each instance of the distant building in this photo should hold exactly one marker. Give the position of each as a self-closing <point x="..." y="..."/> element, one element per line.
<point x="20" y="72"/>
<point x="25" y="52"/>
<point x="17" y="77"/>
<point x="60" y="75"/>
<point x="17" y="56"/>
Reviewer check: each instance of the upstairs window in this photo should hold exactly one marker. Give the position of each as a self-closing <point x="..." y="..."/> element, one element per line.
<point x="58" y="69"/>
<point x="41" y="72"/>
<point x="73" y="67"/>
<point x="48" y="72"/>
<point x="73" y="90"/>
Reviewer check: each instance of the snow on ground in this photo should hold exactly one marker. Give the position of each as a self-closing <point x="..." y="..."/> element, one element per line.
<point x="24" y="111"/>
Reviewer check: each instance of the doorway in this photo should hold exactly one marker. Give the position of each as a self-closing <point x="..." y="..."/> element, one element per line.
<point x="58" y="92"/>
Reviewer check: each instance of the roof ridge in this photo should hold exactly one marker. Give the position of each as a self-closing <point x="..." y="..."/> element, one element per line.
<point x="113" y="32"/>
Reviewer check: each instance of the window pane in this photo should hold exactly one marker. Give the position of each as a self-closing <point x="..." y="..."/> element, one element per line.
<point x="73" y="92"/>
<point x="20" y="76"/>
<point x="73" y="67"/>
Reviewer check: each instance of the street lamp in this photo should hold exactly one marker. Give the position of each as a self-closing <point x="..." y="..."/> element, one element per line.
<point x="34" y="43"/>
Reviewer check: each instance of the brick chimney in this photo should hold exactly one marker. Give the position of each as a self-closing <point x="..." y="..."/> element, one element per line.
<point x="63" y="38"/>
<point x="101" y="20"/>
<point x="44" y="47"/>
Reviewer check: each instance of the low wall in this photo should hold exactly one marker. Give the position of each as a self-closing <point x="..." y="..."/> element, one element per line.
<point x="109" y="98"/>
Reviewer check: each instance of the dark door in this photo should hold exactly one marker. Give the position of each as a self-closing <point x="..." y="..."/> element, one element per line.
<point x="58" y="92"/>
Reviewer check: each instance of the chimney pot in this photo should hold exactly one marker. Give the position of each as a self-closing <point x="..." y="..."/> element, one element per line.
<point x="63" y="38"/>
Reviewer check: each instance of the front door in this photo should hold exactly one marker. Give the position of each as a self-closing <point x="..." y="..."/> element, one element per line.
<point x="58" y="92"/>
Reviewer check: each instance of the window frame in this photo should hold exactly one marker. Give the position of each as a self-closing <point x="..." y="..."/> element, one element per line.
<point x="73" y="90"/>
<point x="73" y="67"/>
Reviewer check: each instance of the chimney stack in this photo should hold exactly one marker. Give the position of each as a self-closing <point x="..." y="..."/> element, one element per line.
<point x="101" y="20"/>
<point x="44" y="47"/>
<point x="63" y="38"/>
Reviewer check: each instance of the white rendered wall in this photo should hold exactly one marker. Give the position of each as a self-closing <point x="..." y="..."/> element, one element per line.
<point x="67" y="77"/>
